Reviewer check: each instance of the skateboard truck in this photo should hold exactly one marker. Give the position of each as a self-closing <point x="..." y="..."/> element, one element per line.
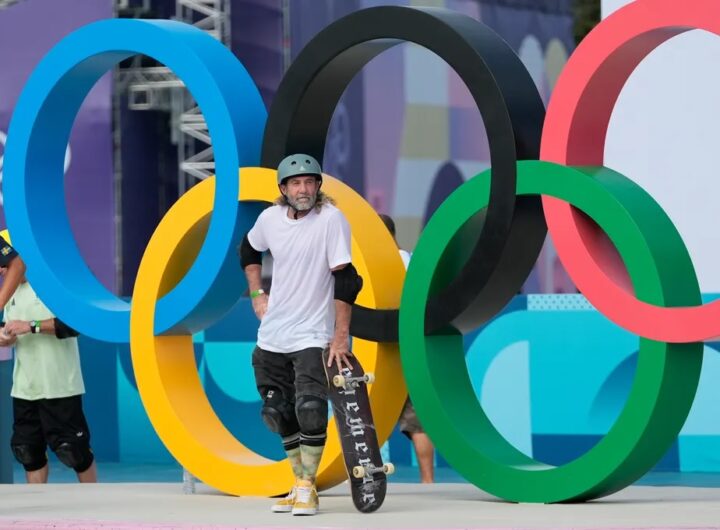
<point x="342" y="381"/>
<point x="362" y="471"/>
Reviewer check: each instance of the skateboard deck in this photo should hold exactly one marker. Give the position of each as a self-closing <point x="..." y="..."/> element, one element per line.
<point x="351" y="408"/>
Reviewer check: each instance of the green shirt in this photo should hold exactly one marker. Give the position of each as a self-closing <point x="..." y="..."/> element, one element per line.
<point x="45" y="367"/>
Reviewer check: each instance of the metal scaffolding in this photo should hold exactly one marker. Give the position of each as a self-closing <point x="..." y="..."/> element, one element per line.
<point x="195" y="153"/>
<point x="157" y="88"/>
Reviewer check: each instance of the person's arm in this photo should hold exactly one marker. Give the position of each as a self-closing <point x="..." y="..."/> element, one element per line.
<point x="258" y="297"/>
<point x="348" y="284"/>
<point x="343" y="313"/>
<point x="49" y="326"/>
<point x="340" y="345"/>
<point x="13" y="277"/>
<point x="251" y="262"/>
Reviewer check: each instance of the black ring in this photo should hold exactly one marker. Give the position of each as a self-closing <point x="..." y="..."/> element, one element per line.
<point x="513" y="230"/>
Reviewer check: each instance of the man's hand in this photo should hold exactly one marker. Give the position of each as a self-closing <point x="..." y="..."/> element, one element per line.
<point x="6" y="339"/>
<point x="259" y="304"/>
<point x="340" y="351"/>
<point x="17" y="327"/>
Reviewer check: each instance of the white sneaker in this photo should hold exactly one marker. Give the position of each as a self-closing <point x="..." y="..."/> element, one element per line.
<point x="285" y="505"/>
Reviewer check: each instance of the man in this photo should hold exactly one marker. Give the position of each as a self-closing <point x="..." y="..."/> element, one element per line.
<point x="47" y="388"/>
<point x="409" y="422"/>
<point x="313" y="288"/>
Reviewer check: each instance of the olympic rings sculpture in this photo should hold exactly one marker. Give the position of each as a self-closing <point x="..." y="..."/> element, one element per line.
<point x="471" y="258"/>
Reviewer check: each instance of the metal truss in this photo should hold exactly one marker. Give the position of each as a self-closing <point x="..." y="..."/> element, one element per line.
<point x="211" y="16"/>
<point x="7" y="3"/>
<point x="157" y="88"/>
<point x="194" y="144"/>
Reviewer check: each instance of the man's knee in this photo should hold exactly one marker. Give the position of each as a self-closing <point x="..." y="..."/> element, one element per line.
<point x="278" y="414"/>
<point x="312" y="414"/>
<point x="79" y="457"/>
<point x="32" y="457"/>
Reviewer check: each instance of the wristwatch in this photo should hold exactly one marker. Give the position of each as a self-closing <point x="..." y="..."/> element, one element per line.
<point x="255" y="294"/>
<point x="34" y="326"/>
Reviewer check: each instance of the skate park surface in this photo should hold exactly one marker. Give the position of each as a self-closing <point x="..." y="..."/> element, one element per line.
<point x="658" y="501"/>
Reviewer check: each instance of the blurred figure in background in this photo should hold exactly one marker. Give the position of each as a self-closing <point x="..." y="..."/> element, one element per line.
<point x="409" y="423"/>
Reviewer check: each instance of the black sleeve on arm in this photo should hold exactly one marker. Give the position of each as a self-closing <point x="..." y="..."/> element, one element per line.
<point x="248" y="255"/>
<point x="7" y="253"/>
<point x="348" y="284"/>
<point x="63" y="331"/>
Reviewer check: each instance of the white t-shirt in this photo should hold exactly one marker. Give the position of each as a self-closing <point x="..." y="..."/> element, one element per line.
<point x="405" y="256"/>
<point x="301" y="308"/>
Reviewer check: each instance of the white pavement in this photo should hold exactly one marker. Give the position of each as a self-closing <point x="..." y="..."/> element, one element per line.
<point x="162" y="505"/>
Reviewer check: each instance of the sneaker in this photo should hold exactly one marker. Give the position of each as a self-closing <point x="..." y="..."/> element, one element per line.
<point x="306" y="499"/>
<point x="285" y="505"/>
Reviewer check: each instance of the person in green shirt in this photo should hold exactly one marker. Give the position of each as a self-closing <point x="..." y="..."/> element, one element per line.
<point x="47" y="387"/>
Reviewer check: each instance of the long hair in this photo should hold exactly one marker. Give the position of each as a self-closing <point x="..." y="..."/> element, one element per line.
<point x="321" y="200"/>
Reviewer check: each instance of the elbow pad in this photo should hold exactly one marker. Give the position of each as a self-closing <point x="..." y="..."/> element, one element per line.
<point x="248" y="255"/>
<point x="63" y="331"/>
<point x="347" y="284"/>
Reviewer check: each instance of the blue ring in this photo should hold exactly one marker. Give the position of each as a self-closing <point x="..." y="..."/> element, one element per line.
<point x="33" y="182"/>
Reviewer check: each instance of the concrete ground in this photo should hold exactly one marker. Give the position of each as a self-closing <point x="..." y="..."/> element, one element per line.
<point x="162" y="505"/>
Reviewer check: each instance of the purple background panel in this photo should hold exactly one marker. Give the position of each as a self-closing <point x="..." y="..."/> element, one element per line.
<point x="27" y="32"/>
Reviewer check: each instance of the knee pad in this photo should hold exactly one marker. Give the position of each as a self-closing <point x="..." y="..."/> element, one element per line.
<point x="312" y="414"/>
<point x="278" y="414"/>
<point x="78" y="457"/>
<point x="32" y="457"/>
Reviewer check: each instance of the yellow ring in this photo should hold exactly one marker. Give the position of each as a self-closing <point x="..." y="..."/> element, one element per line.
<point x="165" y="367"/>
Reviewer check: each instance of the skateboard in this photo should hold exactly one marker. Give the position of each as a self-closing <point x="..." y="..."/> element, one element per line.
<point x="351" y="408"/>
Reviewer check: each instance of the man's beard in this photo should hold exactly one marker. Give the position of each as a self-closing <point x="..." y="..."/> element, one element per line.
<point x="302" y="205"/>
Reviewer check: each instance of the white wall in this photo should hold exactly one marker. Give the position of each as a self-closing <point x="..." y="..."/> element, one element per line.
<point x="665" y="135"/>
<point x="608" y="6"/>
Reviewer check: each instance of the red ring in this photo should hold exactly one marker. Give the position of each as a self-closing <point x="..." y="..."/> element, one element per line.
<point x="574" y="134"/>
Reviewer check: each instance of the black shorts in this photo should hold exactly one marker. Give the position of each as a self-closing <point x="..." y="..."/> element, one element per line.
<point x="295" y="374"/>
<point x="49" y="422"/>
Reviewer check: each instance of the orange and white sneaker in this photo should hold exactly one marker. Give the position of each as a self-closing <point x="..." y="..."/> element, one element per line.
<point x="285" y="505"/>
<point x="306" y="499"/>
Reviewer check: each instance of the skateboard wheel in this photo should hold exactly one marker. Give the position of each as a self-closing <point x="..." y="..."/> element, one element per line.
<point x="370" y="378"/>
<point x="358" y="472"/>
<point x="338" y="381"/>
<point x="389" y="469"/>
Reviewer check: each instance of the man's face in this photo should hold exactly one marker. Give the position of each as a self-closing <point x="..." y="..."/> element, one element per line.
<point x="301" y="192"/>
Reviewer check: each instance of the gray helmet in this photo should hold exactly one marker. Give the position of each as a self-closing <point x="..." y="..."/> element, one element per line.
<point x="297" y="165"/>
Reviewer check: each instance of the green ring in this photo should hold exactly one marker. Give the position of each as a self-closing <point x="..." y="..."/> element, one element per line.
<point x="666" y="376"/>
